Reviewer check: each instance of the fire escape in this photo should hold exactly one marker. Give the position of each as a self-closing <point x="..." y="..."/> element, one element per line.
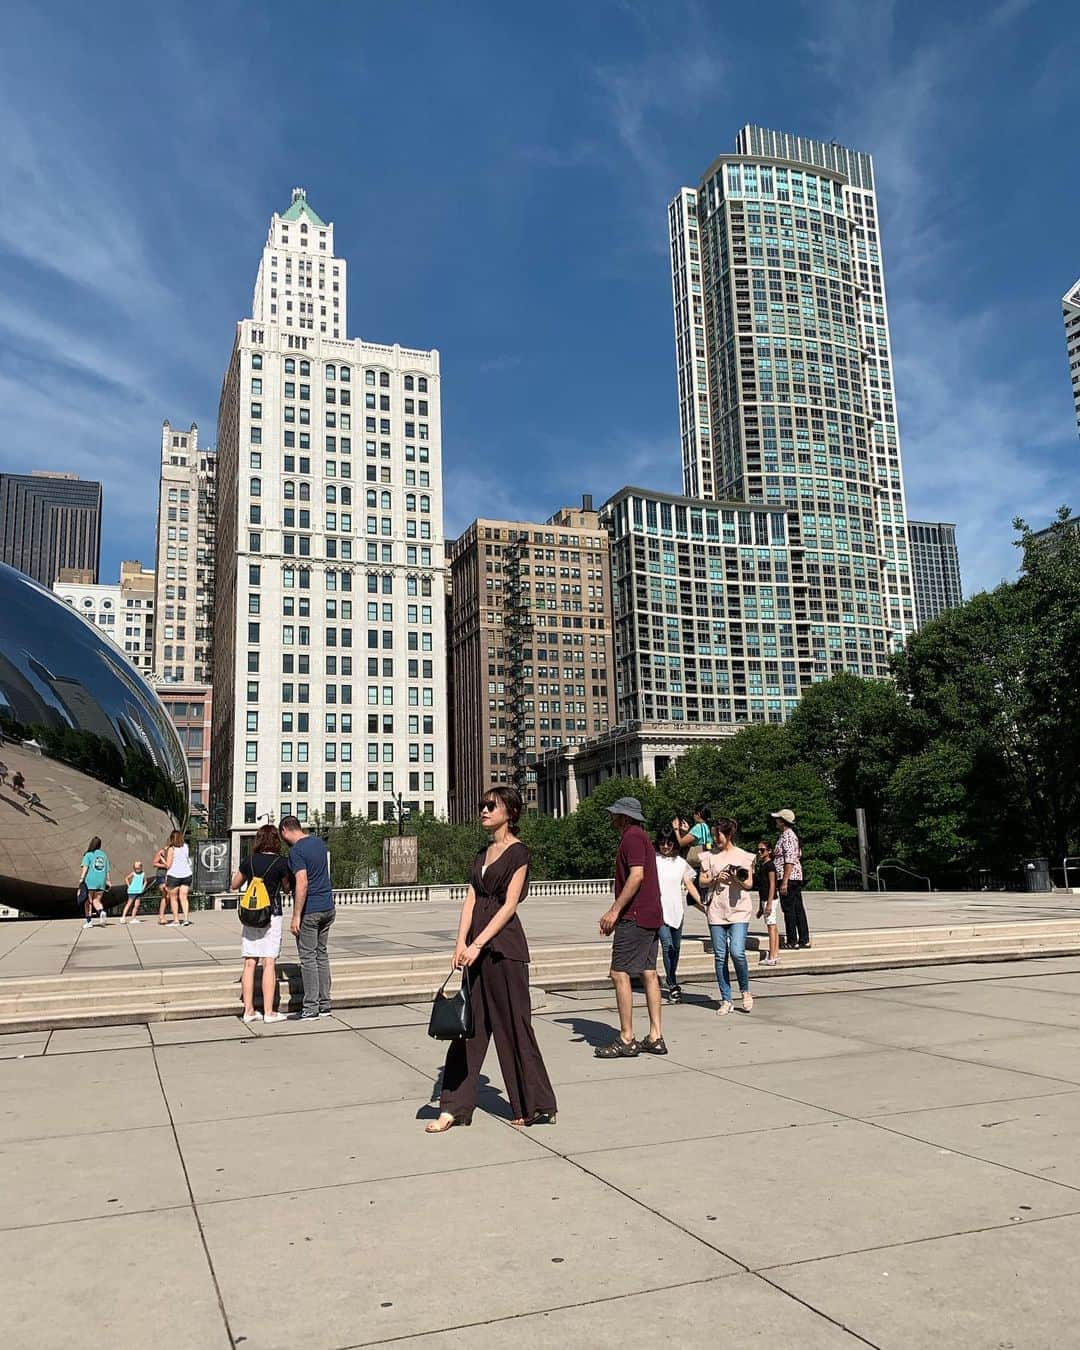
<point x="519" y="631"/>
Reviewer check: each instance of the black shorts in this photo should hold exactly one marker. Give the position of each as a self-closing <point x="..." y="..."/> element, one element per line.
<point x="633" y="949"/>
<point x="174" y="883"/>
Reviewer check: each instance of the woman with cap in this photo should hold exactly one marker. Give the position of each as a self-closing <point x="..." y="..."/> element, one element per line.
<point x="787" y="859"/>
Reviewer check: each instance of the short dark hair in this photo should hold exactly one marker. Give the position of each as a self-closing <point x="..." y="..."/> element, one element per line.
<point x="289" y="823"/>
<point x="727" y="827"/>
<point x="666" y="836"/>
<point x="510" y="798"/>
<point x="267" y="840"/>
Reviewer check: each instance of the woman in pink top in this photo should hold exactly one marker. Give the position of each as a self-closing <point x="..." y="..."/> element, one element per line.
<point x="730" y="910"/>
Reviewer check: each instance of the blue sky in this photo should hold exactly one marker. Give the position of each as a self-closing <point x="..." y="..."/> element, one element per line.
<point x="498" y="177"/>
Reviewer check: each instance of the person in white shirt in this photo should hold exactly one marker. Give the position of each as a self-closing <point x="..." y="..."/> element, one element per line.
<point x="676" y="878"/>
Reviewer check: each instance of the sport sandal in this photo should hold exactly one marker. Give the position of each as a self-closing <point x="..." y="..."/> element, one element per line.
<point x="618" y="1049"/>
<point x="651" y="1047"/>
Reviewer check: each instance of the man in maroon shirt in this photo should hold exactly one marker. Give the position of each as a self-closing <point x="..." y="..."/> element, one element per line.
<point x="633" y="920"/>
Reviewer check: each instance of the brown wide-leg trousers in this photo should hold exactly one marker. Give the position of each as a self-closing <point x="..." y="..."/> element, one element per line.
<point x="501" y="1009"/>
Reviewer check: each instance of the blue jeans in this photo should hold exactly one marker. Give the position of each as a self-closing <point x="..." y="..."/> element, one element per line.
<point x="670" y="942"/>
<point x="730" y="937"/>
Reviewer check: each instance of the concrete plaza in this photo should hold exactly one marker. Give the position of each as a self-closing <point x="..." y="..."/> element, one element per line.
<point x="886" y="1158"/>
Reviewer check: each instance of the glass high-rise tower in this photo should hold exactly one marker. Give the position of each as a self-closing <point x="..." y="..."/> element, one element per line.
<point x="785" y="383"/>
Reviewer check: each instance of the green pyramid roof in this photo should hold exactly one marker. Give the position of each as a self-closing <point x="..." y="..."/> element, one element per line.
<point x="301" y="207"/>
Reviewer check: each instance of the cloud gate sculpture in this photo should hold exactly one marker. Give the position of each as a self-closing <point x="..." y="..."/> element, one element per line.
<point x="85" y="749"/>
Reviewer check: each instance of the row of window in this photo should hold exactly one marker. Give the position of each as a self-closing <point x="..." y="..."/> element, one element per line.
<point x="343" y="374"/>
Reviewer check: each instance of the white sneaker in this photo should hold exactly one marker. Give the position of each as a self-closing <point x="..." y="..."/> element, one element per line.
<point x="135" y="921"/>
<point x="272" y="1017"/>
<point x="122" y="919"/>
<point x="253" y="1017"/>
<point x="89" y="923"/>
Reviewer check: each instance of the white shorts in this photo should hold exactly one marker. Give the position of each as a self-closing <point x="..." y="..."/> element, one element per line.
<point x="263" y="941"/>
<point x="770" y="911"/>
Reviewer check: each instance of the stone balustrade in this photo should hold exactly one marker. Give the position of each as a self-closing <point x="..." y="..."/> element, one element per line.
<point x="411" y="895"/>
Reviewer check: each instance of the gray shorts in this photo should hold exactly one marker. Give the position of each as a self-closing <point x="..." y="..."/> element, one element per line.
<point x="633" y="949"/>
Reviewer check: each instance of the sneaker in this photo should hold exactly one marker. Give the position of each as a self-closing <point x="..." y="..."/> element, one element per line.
<point x="274" y="1017"/>
<point x="304" y="1017"/>
<point x="325" y="1012"/>
<point x="769" y="961"/>
<point x="89" y="923"/>
<point x="122" y="919"/>
<point x="724" y="1009"/>
<point x="135" y="921"/>
<point x="253" y="1017"/>
<point x="747" y="1000"/>
<point x="675" y="995"/>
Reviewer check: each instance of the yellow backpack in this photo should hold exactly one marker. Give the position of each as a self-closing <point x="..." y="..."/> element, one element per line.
<point x="255" y="908"/>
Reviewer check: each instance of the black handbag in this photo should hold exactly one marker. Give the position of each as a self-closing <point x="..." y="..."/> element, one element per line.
<point x="452" y="1014"/>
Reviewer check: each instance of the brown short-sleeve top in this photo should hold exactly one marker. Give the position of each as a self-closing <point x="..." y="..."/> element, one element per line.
<point x="490" y="888"/>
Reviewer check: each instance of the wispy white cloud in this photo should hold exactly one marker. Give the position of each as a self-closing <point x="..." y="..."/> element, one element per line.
<point x="977" y="444"/>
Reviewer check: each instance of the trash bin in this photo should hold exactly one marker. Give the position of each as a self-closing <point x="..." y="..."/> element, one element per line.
<point x="1037" y="874"/>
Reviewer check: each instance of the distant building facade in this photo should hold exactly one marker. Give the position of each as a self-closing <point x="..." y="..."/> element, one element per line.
<point x="190" y="707"/>
<point x="187" y="511"/>
<point x="50" y="521"/>
<point x="935" y="566"/>
<point x="530" y="652"/>
<point x="123" y="611"/>
<point x="1070" y="309"/>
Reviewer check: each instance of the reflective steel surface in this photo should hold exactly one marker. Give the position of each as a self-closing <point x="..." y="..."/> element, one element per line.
<point x="85" y="749"/>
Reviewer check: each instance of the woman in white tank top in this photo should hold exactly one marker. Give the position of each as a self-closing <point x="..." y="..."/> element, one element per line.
<point x="178" y="876"/>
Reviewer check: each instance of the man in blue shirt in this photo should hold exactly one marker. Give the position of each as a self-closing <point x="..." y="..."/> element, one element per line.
<point x="313" y="913"/>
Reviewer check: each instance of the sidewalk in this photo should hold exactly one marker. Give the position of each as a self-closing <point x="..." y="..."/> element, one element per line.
<point x="889" y="1160"/>
<point x="57" y="946"/>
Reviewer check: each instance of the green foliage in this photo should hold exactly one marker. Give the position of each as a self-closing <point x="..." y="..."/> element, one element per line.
<point x="933" y="827"/>
<point x="590" y="839"/>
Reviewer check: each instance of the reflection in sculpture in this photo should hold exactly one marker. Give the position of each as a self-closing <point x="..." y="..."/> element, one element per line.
<point x="95" y="749"/>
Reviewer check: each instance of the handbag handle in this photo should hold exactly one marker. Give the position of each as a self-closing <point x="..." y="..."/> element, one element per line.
<point x="464" y="980"/>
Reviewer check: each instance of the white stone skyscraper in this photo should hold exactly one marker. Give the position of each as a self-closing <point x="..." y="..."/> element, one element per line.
<point x="329" y="635"/>
<point x="785" y="384"/>
<point x="184" y="562"/>
<point x="1070" y="309"/>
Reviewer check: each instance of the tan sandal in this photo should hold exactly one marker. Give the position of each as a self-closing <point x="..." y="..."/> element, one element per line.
<point x="446" y="1122"/>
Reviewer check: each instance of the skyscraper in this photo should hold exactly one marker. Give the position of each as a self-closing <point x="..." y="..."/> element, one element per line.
<point x="187" y="509"/>
<point x="935" y="567"/>
<point x="785" y="383"/>
<point x="329" y="624"/>
<point x="50" y="521"/>
<point x="530" y="646"/>
<point x="1070" y="308"/>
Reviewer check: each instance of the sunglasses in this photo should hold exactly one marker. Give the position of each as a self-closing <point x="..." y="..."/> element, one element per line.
<point x="490" y="805"/>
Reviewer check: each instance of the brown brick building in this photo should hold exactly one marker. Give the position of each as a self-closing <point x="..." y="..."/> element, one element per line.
<point x="529" y="633"/>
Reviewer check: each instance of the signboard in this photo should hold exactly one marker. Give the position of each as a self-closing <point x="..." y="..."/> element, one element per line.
<point x="399" y="859"/>
<point x="212" y="866"/>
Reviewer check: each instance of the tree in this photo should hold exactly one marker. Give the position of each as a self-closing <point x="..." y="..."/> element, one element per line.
<point x="930" y="806"/>
<point x="855" y="732"/>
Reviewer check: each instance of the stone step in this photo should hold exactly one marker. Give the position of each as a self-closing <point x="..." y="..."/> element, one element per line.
<point x="89" y="999"/>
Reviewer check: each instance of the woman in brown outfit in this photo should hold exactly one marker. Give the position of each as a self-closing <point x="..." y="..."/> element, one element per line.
<point x="491" y="943"/>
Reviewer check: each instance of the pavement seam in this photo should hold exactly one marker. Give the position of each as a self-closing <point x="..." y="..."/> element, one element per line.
<point x="94" y="1218"/>
<point x="921" y="1241"/>
<point x="369" y="1181"/>
<point x="758" y="1275"/>
<point x="194" y="1206"/>
<point x="540" y="1312"/>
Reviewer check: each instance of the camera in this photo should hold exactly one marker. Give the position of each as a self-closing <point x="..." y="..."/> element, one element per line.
<point x="740" y="872"/>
